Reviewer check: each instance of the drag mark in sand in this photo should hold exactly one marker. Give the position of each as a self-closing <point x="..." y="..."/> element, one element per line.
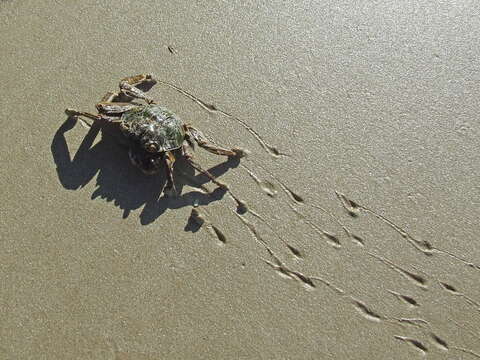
<point x="366" y="311"/>
<point x="277" y="264"/>
<point x="200" y="219"/>
<point x="310" y="282"/>
<point x="292" y="249"/>
<point x="453" y="290"/>
<point x="297" y="199"/>
<point x="353" y="208"/>
<point x="466" y="351"/>
<point x="405" y="298"/>
<point x="270" y="149"/>
<point x="266" y="186"/>
<point x="439" y="342"/>
<point x="417" y="279"/>
<point x="292" y="274"/>
<point x="171" y="50"/>
<point x="417" y="322"/>
<point x="270" y="189"/>
<point x="415" y="343"/>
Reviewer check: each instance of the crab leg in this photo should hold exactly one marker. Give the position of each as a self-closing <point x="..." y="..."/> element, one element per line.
<point x="240" y="204"/>
<point x="111" y="96"/>
<point x="169" y="160"/>
<point x="203" y="142"/>
<point x="129" y="86"/>
<point x="114" y="108"/>
<point x="71" y="112"/>
<point x="212" y="177"/>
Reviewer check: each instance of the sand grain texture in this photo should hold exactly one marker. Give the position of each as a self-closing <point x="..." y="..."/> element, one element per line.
<point x="358" y="237"/>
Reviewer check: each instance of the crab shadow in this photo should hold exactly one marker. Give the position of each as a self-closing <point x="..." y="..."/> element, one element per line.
<point x="118" y="181"/>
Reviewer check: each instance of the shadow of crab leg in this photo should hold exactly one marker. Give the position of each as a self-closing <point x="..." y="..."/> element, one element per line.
<point x="242" y="207"/>
<point x="203" y="142"/>
<point x="129" y="86"/>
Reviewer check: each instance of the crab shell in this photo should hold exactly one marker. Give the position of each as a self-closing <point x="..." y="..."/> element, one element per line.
<point x="154" y="123"/>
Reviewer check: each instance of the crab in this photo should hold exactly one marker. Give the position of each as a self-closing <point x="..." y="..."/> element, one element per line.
<point x="156" y="136"/>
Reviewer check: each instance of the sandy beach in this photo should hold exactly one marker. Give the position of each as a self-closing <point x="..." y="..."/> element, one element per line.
<point x="359" y="237"/>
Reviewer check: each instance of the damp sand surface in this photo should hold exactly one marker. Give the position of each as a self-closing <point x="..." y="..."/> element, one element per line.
<point x="350" y="231"/>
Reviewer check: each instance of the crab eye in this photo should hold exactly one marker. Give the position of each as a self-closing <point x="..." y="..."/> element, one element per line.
<point x="151" y="147"/>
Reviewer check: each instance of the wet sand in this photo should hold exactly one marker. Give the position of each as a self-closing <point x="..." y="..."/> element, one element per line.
<point x="361" y="236"/>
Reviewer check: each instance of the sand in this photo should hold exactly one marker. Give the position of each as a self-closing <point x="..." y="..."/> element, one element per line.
<point x="368" y="248"/>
